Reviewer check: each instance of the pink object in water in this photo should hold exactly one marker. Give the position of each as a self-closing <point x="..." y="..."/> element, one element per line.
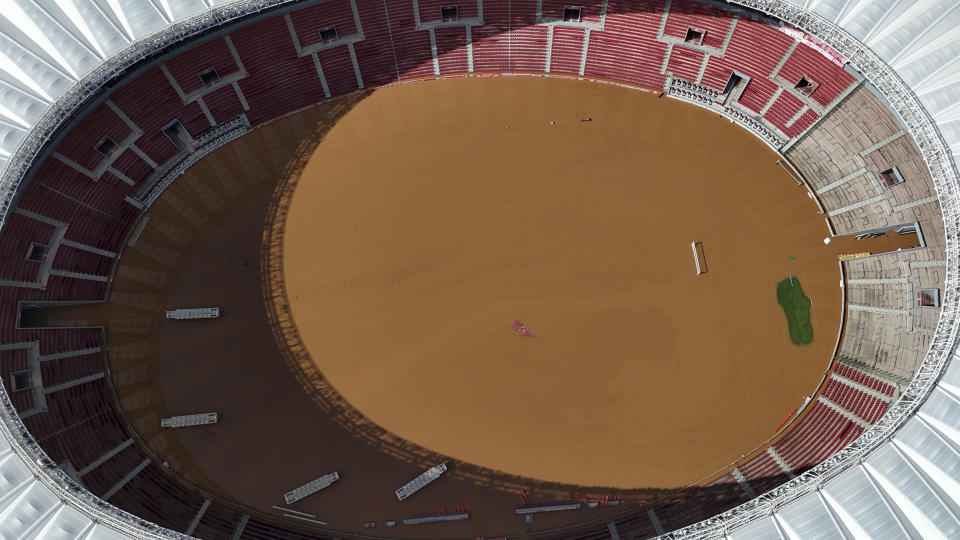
<point x="522" y="330"/>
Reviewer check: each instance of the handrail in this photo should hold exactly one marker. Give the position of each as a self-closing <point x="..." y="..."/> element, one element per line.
<point x="913" y="115"/>
<point x="925" y="133"/>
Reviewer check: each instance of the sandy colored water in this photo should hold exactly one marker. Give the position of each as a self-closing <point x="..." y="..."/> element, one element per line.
<point x="434" y="215"/>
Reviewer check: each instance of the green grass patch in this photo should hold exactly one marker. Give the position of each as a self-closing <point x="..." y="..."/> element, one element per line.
<point x="796" y="306"/>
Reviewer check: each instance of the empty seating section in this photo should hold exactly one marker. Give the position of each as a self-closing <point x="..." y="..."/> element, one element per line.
<point x="711" y="22"/>
<point x="70" y="406"/>
<point x="151" y="115"/>
<point x="801" y="124"/>
<point x="685" y="63"/>
<point x="308" y="21"/>
<point x="862" y="378"/>
<point x="81" y="422"/>
<point x="824" y="430"/>
<point x="131" y="165"/>
<point x="806" y="62"/>
<point x="12" y="361"/>
<point x="821" y="433"/>
<point x="430" y="9"/>
<point x="491" y="41"/>
<point x="64" y="288"/>
<point x="154" y="495"/>
<point x="101" y="480"/>
<point x="10" y="314"/>
<point x="783" y="109"/>
<point x="338" y="70"/>
<point x="223" y="103"/>
<point x="375" y="53"/>
<point x="757" y="93"/>
<point x="626" y="49"/>
<point x="257" y="529"/>
<point x="411" y="46"/>
<point x="19" y="234"/>
<point x="63" y="370"/>
<point x="760" y="466"/>
<point x="186" y="68"/>
<point x="63" y="340"/>
<point x="104" y="195"/>
<point x="217" y="522"/>
<point x="566" y="50"/>
<point x="527" y="44"/>
<point x="79" y="145"/>
<point x="452" y="50"/>
<point x="279" y="81"/>
<point x="87" y="441"/>
<point x="865" y="406"/>
<point x="754" y="50"/>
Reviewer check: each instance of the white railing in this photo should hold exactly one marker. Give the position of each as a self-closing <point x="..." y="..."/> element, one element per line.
<point x="187" y="314"/>
<point x="66" y="489"/>
<point x="56" y="116"/>
<point x="914" y="117"/>
<point x="209" y="141"/>
<point x="421" y="481"/>
<point x="72" y="100"/>
<point x="311" y="487"/>
<point x="189" y="420"/>
<point x="944" y="173"/>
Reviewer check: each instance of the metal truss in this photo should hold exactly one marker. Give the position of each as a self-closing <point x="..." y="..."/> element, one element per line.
<point x="56" y="116"/>
<point x="913" y="116"/>
<point x="943" y="170"/>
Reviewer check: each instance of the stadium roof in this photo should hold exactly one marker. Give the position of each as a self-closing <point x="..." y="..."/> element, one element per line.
<point x="56" y="53"/>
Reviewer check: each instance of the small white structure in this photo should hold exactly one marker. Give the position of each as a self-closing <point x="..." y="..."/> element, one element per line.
<point x="189" y="420"/>
<point x="184" y="314"/>
<point x="311" y="487"/>
<point x="419" y="482"/>
<point x="698" y="257"/>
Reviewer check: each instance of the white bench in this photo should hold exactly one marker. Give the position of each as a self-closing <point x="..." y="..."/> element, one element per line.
<point x="184" y="314"/>
<point x="419" y="482"/>
<point x="311" y="487"/>
<point x="559" y="507"/>
<point x="188" y="420"/>
<point x="436" y="518"/>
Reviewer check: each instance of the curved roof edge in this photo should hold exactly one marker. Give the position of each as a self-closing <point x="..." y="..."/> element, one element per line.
<point x="65" y="502"/>
<point x="938" y="157"/>
<point x="51" y="500"/>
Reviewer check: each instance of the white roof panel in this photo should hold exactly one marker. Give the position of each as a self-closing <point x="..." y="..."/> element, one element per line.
<point x="913" y="488"/>
<point x="912" y="493"/>
<point x="810" y="518"/>
<point x="861" y="507"/>
<point x="765" y="529"/>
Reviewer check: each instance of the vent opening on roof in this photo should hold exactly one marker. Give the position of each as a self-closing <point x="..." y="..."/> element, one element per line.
<point x="106" y="146"/>
<point x="178" y="135"/>
<point x="449" y="14"/>
<point x="36" y="252"/>
<point x="891" y="177"/>
<point x="928" y="298"/>
<point x="572" y="13"/>
<point x="328" y="34"/>
<point x="694" y="36"/>
<point x="209" y="77"/>
<point x="21" y="380"/>
<point x="805" y="86"/>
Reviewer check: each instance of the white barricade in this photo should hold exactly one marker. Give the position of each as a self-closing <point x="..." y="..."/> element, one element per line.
<point x="311" y="487"/>
<point x="419" y="482"/>
<point x="193" y="313"/>
<point x="188" y="420"/>
<point x="436" y="518"/>
<point x="559" y="507"/>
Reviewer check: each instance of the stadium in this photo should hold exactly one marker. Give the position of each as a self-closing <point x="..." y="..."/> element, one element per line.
<point x="361" y="269"/>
